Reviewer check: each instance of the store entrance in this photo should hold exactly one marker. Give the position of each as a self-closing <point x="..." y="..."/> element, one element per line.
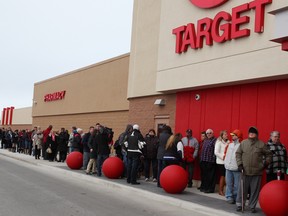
<point x="159" y="122"/>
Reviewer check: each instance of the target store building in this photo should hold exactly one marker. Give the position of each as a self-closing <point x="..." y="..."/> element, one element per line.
<point x="198" y="64"/>
<point x="210" y="64"/>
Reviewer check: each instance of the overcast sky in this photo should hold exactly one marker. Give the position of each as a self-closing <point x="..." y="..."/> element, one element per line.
<point x="40" y="39"/>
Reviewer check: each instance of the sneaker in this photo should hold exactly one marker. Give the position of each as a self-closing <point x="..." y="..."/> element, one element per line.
<point x="189" y="185"/>
<point x="146" y="179"/>
<point x="154" y="180"/>
<point x="239" y="208"/>
<point x="253" y="210"/>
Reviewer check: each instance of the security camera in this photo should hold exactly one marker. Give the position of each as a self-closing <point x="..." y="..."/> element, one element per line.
<point x="197" y="97"/>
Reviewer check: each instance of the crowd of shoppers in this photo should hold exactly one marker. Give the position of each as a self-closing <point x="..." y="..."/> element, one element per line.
<point x="219" y="157"/>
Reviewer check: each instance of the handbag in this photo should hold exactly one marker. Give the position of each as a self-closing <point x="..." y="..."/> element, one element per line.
<point x="49" y="150"/>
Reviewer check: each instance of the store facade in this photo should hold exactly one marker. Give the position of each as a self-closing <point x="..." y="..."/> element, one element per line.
<point x="192" y="64"/>
<point x="82" y="98"/>
<point x="220" y="63"/>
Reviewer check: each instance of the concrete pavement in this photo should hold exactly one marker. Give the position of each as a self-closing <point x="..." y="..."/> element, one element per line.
<point x="190" y="199"/>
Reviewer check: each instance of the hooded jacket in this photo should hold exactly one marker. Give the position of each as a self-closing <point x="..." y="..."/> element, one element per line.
<point x="250" y="154"/>
<point x="230" y="158"/>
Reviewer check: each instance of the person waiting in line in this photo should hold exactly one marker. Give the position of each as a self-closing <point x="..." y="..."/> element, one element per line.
<point x="150" y="155"/>
<point x="63" y="137"/>
<point x="232" y="172"/>
<point x="44" y="143"/>
<point x="3" y="139"/>
<point x="71" y="135"/>
<point x="37" y="142"/>
<point x="220" y="146"/>
<point x="51" y="149"/>
<point x="33" y="132"/>
<point x="208" y="163"/>
<point x="173" y="154"/>
<point x="121" y="140"/>
<point x="191" y="148"/>
<point x="92" y="145"/>
<point x="86" y="149"/>
<point x="1" y="136"/>
<point x="163" y="138"/>
<point x="135" y="143"/>
<point x="279" y="158"/>
<point x="9" y="138"/>
<point x="76" y="140"/>
<point x="249" y="157"/>
<point x="202" y="139"/>
<point x="27" y="142"/>
<point x="100" y="137"/>
<point x="15" y="141"/>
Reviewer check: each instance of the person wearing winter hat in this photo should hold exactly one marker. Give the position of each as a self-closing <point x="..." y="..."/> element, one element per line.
<point x="135" y="143"/>
<point x="191" y="148"/>
<point x="232" y="173"/>
<point x="249" y="157"/>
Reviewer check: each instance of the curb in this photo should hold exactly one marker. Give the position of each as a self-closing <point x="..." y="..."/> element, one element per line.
<point x="144" y="193"/>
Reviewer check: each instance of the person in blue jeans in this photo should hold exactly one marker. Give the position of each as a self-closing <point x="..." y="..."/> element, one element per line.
<point x="232" y="173"/>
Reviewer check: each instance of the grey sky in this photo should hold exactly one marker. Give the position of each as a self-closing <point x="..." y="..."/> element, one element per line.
<point x="40" y="39"/>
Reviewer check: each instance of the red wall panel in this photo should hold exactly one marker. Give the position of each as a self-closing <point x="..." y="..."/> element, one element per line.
<point x="281" y="110"/>
<point x="248" y="107"/>
<point x="263" y="105"/>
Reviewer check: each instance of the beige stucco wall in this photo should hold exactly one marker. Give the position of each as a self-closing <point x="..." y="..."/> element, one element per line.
<point x="243" y="60"/>
<point x="101" y="87"/>
<point x="144" y="48"/>
<point x="22" y="116"/>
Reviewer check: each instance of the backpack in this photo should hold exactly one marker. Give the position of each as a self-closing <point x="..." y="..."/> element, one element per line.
<point x="110" y="133"/>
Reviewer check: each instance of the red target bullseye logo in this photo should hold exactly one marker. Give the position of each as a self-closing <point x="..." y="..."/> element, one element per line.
<point x="207" y="3"/>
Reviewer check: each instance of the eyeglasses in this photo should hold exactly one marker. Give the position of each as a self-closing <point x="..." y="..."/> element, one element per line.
<point x="209" y="133"/>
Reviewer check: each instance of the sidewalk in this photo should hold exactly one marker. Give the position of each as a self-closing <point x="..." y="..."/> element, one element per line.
<point x="191" y="198"/>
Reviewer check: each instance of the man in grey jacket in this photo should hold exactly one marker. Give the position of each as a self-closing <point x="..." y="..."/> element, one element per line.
<point x="232" y="173"/>
<point x="249" y="158"/>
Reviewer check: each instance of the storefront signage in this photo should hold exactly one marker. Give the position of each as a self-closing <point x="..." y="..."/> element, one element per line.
<point x="54" y="96"/>
<point x="223" y="27"/>
<point x="208" y="3"/>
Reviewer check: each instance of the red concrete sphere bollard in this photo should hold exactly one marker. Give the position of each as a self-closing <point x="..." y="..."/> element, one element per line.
<point x="273" y="198"/>
<point x="173" y="179"/>
<point x="113" y="167"/>
<point x="74" y="160"/>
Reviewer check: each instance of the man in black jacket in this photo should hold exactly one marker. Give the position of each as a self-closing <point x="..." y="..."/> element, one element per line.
<point x="134" y="143"/>
<point x="163" y="138"/>
<point x="103" y="149"/>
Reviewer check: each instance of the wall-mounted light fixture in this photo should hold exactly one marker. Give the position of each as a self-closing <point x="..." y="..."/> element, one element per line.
<point x="160" y="102"/>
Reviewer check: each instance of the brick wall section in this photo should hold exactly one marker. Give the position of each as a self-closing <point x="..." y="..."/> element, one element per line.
<point x="116" y="120"/>
<point x="142" y="111"/>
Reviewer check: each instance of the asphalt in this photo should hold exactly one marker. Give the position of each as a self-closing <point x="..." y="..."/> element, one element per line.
<point x="191" y="198"/>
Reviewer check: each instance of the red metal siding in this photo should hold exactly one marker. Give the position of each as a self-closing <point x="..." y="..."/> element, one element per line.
<point x="263" y="105"/>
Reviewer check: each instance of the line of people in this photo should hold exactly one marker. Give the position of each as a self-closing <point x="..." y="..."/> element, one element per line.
<point x="232" y="160"/>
